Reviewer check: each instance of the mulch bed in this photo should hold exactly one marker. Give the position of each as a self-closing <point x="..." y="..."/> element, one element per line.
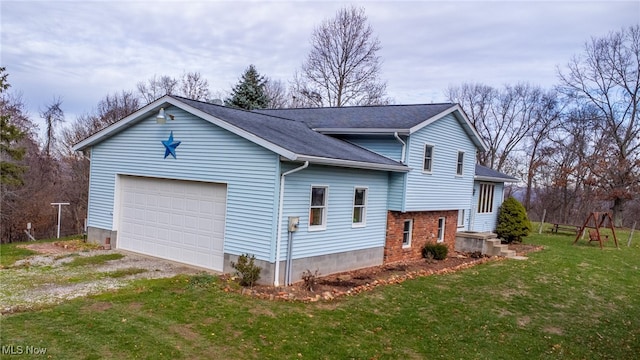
<point x="353" y="282"/>
<point x="335" y="285"/>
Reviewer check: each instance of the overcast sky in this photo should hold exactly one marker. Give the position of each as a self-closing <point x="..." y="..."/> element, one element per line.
<point x="82" y="50"/>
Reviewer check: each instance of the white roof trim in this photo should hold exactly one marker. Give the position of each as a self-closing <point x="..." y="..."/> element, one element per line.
<point x="362" y="131"/>
<point x="120" y="125"/>
<point x="352" y="164"/>
<point x="155" y="107"/>
<point x="461" y="116"/>
<point x="495" y="179"/>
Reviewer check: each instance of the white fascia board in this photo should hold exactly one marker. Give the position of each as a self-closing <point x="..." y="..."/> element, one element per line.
<point x="495" y="179"/>
<point x="361" y="131"/>
<point x="122" y="124"/>
<point x="462" y="118"/>
<point x="155" y="106"/>
<point x="352" y="164"/>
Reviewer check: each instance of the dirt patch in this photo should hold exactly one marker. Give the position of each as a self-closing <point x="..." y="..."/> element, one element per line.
<point x="353" y="282"/>
<point x="43" y="280"/>
<point x="523" y="321"/>
<point x="184" y="331"/>
<point x="553" y="330"/>
<point x="60" y="247"/>
<point x="98" y="307"/>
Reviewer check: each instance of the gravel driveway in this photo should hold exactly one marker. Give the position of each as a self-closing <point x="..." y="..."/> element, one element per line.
<point x="44" y="279"/>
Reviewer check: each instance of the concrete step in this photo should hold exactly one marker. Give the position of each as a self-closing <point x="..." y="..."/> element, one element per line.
<point x="508" y="253"/>
<point x="491" y="247"/>
<point x="499" y="250"/>
<point x="494" y="247"/>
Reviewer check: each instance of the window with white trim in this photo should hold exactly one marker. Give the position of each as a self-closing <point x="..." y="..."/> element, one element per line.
<point x="359" y="206"/>
<point x="427" y="165"/>
<point x="441" y="224"/>
<point x="485" y="198"/>
<point x="460" y="165"/>
<point x="318" y="208"/>
<point x="406" y="233"/>
<point x="461" y="218"/>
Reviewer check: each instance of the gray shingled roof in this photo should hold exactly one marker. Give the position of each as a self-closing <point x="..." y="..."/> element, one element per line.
<point x="392" y="117"/>
<point x="486" y="173"/>
<point x="292" y="135"/>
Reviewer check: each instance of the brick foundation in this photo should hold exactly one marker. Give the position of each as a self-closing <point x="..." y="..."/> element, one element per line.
<point x="425" y="229"/>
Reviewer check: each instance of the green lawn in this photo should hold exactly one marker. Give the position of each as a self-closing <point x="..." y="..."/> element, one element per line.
<point x="565" y="302"/>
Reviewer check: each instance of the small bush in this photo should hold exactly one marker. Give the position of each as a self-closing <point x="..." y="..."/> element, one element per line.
<point x="310" y="279"/>
<point x="435" y="251"/>
<point x="513" y="223"/>
<point x="247" y="270"/>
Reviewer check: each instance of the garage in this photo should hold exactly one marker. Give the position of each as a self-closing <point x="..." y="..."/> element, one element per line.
<point x="172" y="219"/>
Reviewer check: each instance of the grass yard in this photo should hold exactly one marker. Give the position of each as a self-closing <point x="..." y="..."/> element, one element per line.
<point x="565" y="302"/>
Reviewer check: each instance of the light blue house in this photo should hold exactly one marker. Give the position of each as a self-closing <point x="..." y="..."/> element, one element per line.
<point x="332" y="189"/>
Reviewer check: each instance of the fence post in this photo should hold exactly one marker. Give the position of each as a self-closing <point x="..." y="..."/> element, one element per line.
<point x="544" y="215"/>
<point x="631" y="234"/>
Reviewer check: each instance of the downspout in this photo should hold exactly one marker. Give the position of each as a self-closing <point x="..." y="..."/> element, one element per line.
<point x="276" y="279"/>
<point x="404" y="146"/>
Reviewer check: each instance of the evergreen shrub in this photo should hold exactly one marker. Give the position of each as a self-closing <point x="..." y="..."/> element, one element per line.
<point x="435" y="251"/>
<point x="513" y="223"/>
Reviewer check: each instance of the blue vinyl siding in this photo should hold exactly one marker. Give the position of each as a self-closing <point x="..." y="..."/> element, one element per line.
<point x="339" y="235"/>
<point x="486" y="221"/>
<point x="397" y="184"/>
<point x="206" y="153"/>
<point x="385" y="145"/>
<point x="441" y="189"/>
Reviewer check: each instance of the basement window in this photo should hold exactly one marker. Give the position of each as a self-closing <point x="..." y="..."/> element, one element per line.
<point x="406" y="233"/>
<point x="441" y="224"/>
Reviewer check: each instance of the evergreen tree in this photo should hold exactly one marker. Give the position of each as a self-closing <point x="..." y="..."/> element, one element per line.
<point x="513" y="223"/>
<point x="249" y="93"/>
<point x="10" y="134"/>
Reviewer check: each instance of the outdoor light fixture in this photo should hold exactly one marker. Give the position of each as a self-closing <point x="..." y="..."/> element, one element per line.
<point x="162" y="117"/>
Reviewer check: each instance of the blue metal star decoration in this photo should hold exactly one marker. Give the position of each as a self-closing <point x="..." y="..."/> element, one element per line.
<point x="170" y="146"/>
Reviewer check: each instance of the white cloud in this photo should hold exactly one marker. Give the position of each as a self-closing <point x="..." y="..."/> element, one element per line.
<point x="85" y="50"/>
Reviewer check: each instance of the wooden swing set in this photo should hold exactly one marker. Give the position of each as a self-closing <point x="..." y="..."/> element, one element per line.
<point x="597" y="219"/>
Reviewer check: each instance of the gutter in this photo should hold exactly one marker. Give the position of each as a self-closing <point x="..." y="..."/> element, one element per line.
<point x="404" y="146"/>
<point x="495" y="179"/>
<point x="276" y="278"/>
<point x="352" y="164"/>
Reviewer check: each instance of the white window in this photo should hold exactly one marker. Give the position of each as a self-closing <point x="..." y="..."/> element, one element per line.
<point x="460" y="165"/>
<point x="485" y="198"/>
<point x="406" y="233"/>
<point x="461" y="218"/>
<point x="441" y="223"/>
<point x="428" y="158"/>
<point x="360" y="206"/>
<point x="318" y="208"/>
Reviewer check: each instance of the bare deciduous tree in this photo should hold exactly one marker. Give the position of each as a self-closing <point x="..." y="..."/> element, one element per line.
<point x="52" y="115"/>
<point x="343" y="67"/>
<point x="194" y="86"/>
<point x="276" y="92"/>
<point x="607" y="77"/>
<point x="157" y="87"/>
<point x="503" y="117"/>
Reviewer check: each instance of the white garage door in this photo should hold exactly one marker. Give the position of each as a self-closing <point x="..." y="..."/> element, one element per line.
<point x="171" y="219"/>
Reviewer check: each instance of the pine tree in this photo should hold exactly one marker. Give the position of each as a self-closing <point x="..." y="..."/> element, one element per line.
<point x="10" y="172"/>
<point x="513" y="223"/>
<point x="249" y="93"/>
